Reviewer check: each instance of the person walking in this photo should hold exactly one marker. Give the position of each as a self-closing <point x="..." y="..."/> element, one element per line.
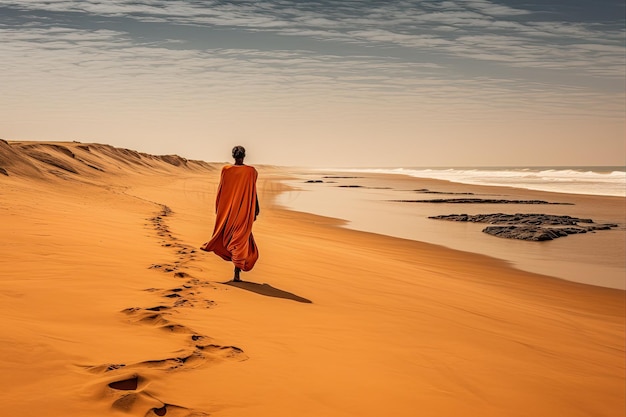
<point x="236" y="208"/>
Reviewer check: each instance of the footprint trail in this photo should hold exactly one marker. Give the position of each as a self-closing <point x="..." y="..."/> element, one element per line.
<point x="126" y="384"/>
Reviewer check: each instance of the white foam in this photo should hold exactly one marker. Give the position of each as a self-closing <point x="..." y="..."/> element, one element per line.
<point x="597" y="181"/>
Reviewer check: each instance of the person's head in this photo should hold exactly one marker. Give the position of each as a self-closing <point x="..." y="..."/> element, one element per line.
<point x="239" y="152"/>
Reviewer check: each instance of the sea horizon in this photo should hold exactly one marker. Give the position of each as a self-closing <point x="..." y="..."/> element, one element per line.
<point x="609" y="180"/>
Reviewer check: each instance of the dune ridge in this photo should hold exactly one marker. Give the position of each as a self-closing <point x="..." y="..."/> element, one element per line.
<point x="36" y="159"/>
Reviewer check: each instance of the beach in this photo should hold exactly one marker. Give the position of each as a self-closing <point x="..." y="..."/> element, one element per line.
<point x="110" y="309"/>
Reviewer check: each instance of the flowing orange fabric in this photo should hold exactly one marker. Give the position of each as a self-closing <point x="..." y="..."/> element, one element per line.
<point x="235" y="208"/>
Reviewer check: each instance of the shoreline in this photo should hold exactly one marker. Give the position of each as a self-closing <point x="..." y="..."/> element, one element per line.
<point x="375" y="196"/>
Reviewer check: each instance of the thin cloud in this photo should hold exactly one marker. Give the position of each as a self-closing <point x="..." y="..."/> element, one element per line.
<point x="491" y="9"/>
<point x="89" y="70"/>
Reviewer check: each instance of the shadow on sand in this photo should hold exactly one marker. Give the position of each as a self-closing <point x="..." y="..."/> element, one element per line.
<point x="267" y="290"/>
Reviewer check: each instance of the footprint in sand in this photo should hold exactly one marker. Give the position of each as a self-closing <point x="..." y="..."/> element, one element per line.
<point x="133" y="397"/>
<point x="129" y="384"/>
<point x="126" y="385"/>
<point x="158" y="319"/>
<point x="187" y="295"/>
<point x="184" y="253"/>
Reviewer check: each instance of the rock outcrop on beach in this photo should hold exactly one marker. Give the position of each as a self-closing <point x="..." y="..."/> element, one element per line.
<point x="333" y="177"/>
<point x="427" y="191"/>
<point x="538" y="234"/>
<point x="345" y="185"/>
<point x="528" y="226"/>
<point x="477" y="201"/>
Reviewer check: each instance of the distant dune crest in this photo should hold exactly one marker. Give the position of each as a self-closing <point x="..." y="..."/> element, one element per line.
<point x="75" y="160"/>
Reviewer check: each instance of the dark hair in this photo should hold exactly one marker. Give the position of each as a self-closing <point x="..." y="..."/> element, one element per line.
<point x="239" y="152"/>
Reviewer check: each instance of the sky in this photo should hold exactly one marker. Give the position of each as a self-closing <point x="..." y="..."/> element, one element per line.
<point x="355" y="83"/>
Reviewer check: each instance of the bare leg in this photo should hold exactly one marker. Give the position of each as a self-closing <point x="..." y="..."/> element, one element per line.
<point x="236" y="277"/>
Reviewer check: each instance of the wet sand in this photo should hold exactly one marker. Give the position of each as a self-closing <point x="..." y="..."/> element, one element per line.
<point x="109" y="308"/>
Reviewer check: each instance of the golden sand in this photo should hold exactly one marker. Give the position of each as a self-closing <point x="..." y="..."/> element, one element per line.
<point x="109" y="308"/>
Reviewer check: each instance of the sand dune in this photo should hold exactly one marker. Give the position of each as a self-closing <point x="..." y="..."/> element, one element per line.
<point x="109" y="308"/>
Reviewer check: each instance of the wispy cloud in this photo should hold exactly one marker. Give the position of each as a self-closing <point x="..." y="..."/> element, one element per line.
<point x="106" y="65"/>
<point x="480" y="30"/>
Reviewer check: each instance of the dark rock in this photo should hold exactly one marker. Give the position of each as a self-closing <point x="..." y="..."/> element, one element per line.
<point x="537" y="234"/>
<point x="529" y="226"/>
<point x="478" y="201"/>
<point x="515" y="219"/>
<point x="601" y="227"/>
<point x="4" y="171"/>
<point x="427" y="191"/>
<point x="314" y="181"/>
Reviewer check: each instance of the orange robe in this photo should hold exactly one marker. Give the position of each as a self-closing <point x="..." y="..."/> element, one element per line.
<point x="235" y="208"/>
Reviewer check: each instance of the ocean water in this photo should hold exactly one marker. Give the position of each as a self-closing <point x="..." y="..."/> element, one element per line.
<point x="606" y="180"/>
